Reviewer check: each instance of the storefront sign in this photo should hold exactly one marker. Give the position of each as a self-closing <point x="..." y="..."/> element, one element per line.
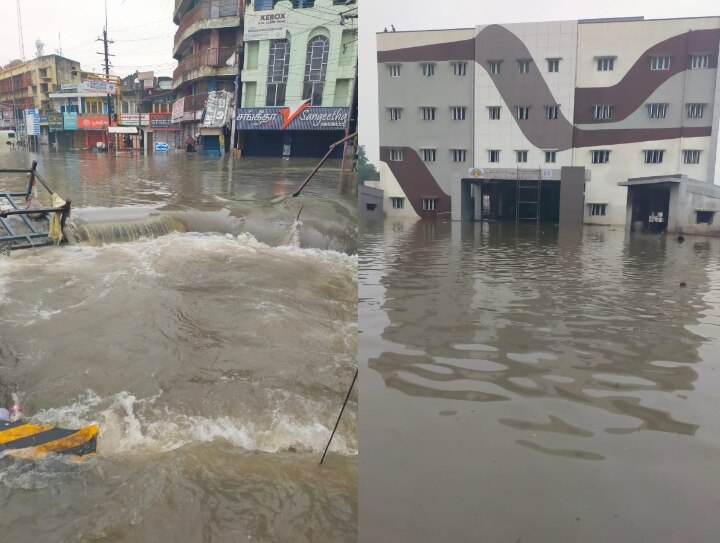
<point x="265" y="26"/>
<point x="133" y="119"/>
<point x="522" y="174"/>
<point x="32" y="122"/>
<point x="92" y="122"/>
<point x="55" y="122"/>
<point x="98" y="87"/>
<point x="161" y="121"/>
<point x="298" y="117"/>
<point x="178" y="110"/>
<point x="70" y="120"/>
<point x="216" y="109"/>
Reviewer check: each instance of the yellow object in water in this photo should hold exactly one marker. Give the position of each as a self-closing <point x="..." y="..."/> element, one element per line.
<point x="55" y="231"/>
<point x="34" y="441"/>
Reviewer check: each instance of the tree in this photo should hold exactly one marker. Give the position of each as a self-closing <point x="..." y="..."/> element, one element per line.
<point x="365" y="169"/>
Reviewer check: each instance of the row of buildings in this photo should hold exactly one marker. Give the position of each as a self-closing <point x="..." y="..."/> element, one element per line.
<point x="291" y="63"/>
<point x="611" y="121"/>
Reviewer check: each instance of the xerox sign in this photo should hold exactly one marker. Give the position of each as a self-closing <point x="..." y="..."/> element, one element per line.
<point x="296" y="117"/>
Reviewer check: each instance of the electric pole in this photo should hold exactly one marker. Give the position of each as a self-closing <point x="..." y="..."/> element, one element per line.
<point x="240" y="59"/>
<point x="107" y="70"/>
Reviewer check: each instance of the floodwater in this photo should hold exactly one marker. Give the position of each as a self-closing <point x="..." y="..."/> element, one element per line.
<point x="521" y="385"/>
<point x="210" y="335"/>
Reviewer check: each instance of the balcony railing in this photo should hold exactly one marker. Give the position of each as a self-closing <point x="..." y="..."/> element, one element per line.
<point x="214" y="56"/>
<point x="208" y="9"/>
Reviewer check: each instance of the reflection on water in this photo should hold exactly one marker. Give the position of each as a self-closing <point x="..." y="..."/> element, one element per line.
<point x="575" y="347"/>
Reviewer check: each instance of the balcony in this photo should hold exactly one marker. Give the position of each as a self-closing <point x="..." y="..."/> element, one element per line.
<point x="214" y="60"/>
<point x="206" y="16"/>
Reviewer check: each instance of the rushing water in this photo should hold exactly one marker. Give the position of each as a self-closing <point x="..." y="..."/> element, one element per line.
<point x="210" y="335"/>
<point x="523" y="385"/>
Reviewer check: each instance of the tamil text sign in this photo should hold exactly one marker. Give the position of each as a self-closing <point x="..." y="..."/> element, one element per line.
<point x="265" y="26"/>
<point x="99" y="87"/>
<point x="292" y="118"/>
<point x="55" y="122"/>
<point x="522" y="174"/>
<point x="92" y="122"/>
<point x="32" y="122"/>
<point x="70" y="120"/>
<point x="133" y="119"/>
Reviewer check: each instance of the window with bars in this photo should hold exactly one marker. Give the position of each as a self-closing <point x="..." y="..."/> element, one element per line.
<point x="316" y="63"/>
<point x="459" y="68"/>
<point x="657" y="111"/>
<point x="458" y="113"/>
<point x="551" y="112"/>
<point x="494" y="155"/>
<point x="278" y="66"/>
<point x="605" y="64"/>
<point x="458" y="155"/>
<point x="394" y="70"/>
<point x="428" y="69"/>
<point x="394" y="113"/>
<point x="494" y="113"/>
<point x="600" y="156"/>
<point x="653" y="156"/>
<point x="660" y="63"/>
<point x="396" y="155"/>
<point x="553" y="64"/>
<point x="597" y="209"/>
<point x="695" y="111"/>
<point x="691" y="156"/>
<point x="699" y="62"/>
<point x="523" y="65"/>
<point x="427" y="113"/>
<point x="495" y="66"/>
<point x="521" y="157"/>
<point x="428" y="154"/>
<point x="429" y="204"/>
<point x="397" y="202"/>
<point x="523" y="112"/>
<point x="550" y="157"/>
<point x="602" y="112"/>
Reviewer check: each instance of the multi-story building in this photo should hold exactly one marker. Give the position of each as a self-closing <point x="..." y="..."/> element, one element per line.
<point x="590" y="121"/>
<point x="205" y="47"/>
<point x="298" y="78"/>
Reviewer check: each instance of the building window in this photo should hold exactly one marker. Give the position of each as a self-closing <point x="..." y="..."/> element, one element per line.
<point x="458" y="113"/>
<point x="459" y="68"/>
<point x="602" y="112"/>
<point x="553" y="64"/>
<point x="428" y="69"/>
<point x="521" y="157"/>
<point x="429" y="204"/>
<point x="699" y="62"/>
<point x="704" y="217"/>
<point x="315" y="69"/>
<point x="394" y="113"/>
<point x="691" y="156"/>
<point x="657" y="111"/>
<point x="495" y="66"/>
<point x="695" y="111"/>
<point x="523" y="112"/>
<point x="427" y="113"/>
<point x="653" y="156"/>
<point x="551" y="112"/>
<point x="605" y="64"/>
<point x="428" y="155"/>
<point x="550" y="157"/>
<point x="459" y="155"/>
<point x="278" y="66"/>
<point x="394" y="70"/>
<point x="597" y="209"/>
<point x="601" y="156"/>
<point x="397" y="202"/>
<point x="523" y="66"/>
<point x="396" y="155"/>
<point x="660" y="63"/>
<point x="370" y="207"/>
<point x="494" y="113"/>
<point x="494" y="155"/>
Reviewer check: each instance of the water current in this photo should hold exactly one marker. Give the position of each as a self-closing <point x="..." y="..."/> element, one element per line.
<point x="520" y="384"/>
<point x="209" y="334"/>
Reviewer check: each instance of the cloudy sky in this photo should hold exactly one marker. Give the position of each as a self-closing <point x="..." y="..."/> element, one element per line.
<point x="143" y="32"/>
<point x="375" y="15"/>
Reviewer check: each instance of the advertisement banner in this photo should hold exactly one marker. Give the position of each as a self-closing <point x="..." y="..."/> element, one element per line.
<point x="70" y="120"/>
<point x="161" y="121"/>
<point x="216" y="109"/>
<point x="92" y="122"/>
<point x="131" y="119"/>
<point x="267" y="26"/>
<point x="32" y="122"/>
<point x="178" y="110"/>
<point x="299" y="117"/>
<point x="55" y="122"/>
<point x="98" y="87"/>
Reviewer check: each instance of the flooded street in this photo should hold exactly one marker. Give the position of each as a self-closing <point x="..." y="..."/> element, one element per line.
<point x="520" y="385"/>
<point x="210" y="335"/>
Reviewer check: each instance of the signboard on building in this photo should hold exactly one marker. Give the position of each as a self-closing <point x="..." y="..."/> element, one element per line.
<point x="161" y="121"/>
<point x="298" y="117"/>
<point x="522" y="174"/>
<point x="70" y="120"/>
<point x="178" y="110"/>
<point x="97" y="87"/>
<point x="145" y="76"/>
<point x="265" y="26"/>
<point x="65" y="87"/>
<point x="32" y="122"/>
<point x="55" y="122"/>
<point x="92" y="122"/>
<point x="216" y="109"/>
<point x="133" y="119"/>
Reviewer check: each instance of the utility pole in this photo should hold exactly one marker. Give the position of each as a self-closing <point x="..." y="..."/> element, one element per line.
<point x="107" y="69"/>
<point x="240" y="59"/>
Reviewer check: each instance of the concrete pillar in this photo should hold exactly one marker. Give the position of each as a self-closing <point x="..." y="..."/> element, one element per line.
<point x="572" y="196"/>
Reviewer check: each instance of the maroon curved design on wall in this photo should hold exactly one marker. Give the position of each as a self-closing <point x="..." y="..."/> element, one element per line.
<point x="452" y="50"/>
<point x="640" y="82"/>
<point x="416" y="181"/>
<point x="595" y="138"/>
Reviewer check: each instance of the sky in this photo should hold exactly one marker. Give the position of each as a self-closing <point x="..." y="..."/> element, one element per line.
<point x="142" y="30"/>
<point x="375" y="15"/>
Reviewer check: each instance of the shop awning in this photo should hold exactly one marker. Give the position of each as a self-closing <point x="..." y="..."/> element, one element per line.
<point x="122" y="129"/>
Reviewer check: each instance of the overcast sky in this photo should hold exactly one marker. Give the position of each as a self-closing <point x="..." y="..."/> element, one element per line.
<point x="375" y="15"/>
<point x="143" y="32"/>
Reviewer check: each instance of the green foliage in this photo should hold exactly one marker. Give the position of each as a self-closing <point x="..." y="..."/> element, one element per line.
<point x="366" y="170"/>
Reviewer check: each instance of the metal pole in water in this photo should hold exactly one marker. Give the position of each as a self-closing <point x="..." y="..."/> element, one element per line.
<point x="339" y="416"/>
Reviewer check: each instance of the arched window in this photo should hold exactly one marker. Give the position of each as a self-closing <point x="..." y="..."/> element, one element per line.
<point x="278" y="65"/>
<point x="316" y="69"/>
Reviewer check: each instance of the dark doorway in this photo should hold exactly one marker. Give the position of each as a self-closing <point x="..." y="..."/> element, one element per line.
<point x="650" y="207"/>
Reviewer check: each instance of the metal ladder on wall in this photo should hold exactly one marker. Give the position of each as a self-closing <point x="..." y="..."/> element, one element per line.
<point x="526" y="189"/>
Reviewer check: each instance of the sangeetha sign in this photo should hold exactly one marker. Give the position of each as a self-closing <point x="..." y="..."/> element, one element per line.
<point x="265" y="26"/>
<point x="298" y="117"/>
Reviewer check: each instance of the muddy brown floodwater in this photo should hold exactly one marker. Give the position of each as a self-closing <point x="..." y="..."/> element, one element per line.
<point x="210" y="336"/>
<point x="520" y="385"/>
